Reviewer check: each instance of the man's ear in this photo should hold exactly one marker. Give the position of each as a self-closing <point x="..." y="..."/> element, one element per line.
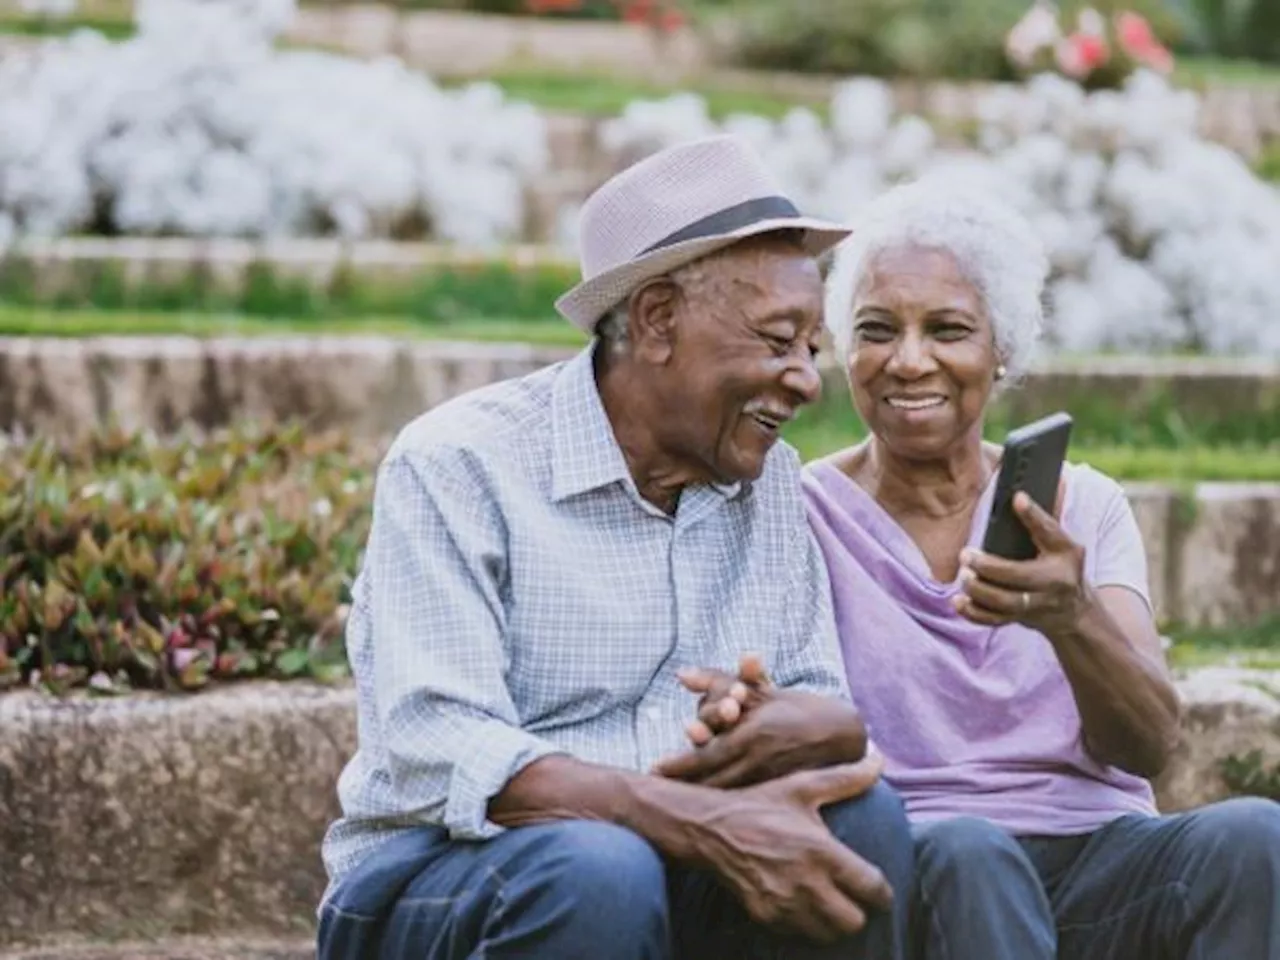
<point x="652" y="310"/>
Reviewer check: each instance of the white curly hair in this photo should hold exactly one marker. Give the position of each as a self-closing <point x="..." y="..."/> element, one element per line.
<point x="994" y="246"/>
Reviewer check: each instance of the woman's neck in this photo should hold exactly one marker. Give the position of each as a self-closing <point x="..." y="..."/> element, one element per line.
<point x="936" y="488"/>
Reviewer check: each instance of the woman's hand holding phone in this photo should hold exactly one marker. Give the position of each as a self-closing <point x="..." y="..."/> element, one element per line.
<point x="1047" y="593"/>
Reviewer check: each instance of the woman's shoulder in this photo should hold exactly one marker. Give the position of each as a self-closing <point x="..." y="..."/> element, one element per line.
<point x="821" y="471"/>
<point x="1088" y="484"/>
<point x="1092" y="499"/>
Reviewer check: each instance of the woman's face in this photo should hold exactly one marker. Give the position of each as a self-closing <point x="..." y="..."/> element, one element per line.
<point x="924" y="359"/>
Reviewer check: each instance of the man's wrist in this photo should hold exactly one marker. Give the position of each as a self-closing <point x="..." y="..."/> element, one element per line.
<point x="678" y="819"/>
<point x="674" y="817"/>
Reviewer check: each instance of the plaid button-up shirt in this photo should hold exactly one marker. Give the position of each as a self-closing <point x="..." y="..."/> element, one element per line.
<point x="518" y="598"/>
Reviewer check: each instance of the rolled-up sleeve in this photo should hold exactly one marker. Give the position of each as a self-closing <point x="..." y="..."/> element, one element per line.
<point x="435" y="563"/>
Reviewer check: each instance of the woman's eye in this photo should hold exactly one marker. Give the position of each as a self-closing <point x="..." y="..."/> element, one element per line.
<point x="952" y="331"/>
<point x="875" y="332"/>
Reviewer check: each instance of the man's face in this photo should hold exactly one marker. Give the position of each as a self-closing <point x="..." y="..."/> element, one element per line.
<point x="743" y="358"/>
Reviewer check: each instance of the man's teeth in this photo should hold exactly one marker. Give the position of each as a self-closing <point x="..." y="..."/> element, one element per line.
<point x="915" y="403"/>
<point x="770" y="420"/>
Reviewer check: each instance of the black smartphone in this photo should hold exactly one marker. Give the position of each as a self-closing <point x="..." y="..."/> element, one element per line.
<point x="1032" y="462"/>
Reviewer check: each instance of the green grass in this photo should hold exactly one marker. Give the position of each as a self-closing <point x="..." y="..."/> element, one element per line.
<point x="26" y="25"/>
<point x="1254" y="647"/>
<point x="604" y="95"/>
<point x="27" y="321"/>
<point x="1267" y="166"/>
<point x="1137" y="438"/>
<point x="434" y="292"/>
<point x="1201" y="72"/>
<point x="1183" y="465"/>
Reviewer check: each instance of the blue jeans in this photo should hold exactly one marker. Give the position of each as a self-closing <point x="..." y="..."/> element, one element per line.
<point x="581" y="889"/>
<point x="1203" y="885"/>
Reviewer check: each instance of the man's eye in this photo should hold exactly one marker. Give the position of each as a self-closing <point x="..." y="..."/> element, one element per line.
<point x="779" y="344"/>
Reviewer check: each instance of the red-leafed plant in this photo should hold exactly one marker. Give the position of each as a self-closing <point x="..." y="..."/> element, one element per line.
<point x="663" y="15"/>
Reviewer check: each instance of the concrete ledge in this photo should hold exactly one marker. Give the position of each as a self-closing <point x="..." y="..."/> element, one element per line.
<point x="1214" y="550"/>
<point x="66" y="385"/>
<point x="181" y="948"/>
<point x="1227" y="712"/>
<point x="63" y="387"/>
<point x="149" y="818"/>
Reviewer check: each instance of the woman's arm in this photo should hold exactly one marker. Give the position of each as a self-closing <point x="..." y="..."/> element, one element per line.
<point x="1112" y="657"/>
<point x="1104" y="637"/>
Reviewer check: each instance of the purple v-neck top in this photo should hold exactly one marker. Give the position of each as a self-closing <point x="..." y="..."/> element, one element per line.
<point x="972" y="721"/>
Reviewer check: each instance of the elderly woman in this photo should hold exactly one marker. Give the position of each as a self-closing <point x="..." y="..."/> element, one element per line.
<point x="1020" y="706"/>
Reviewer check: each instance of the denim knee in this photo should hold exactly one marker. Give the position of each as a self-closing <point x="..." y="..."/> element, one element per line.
<point x="875" y="827"/>
<point x="608" y="876"/>
<point x="968" y="848"/>
<point x="1241" y="835"/>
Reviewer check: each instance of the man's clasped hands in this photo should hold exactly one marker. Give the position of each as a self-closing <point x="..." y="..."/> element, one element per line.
<point x="784" y="754"/>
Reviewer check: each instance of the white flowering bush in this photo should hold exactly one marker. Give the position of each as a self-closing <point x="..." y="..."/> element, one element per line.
<point x="1159" y="240"/>
<point x="199" y="126"/>
<point x="53" y="9"/>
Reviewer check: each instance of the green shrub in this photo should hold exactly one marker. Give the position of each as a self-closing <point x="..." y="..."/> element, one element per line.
<point x="889" y="38"/>
<point x="1237" y="28"/>
<point x="128" y="562"/>
<point x="961" y="39"/>
<point x="1249" y="776"/>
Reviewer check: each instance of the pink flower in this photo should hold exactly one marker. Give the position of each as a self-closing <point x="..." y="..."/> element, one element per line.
<point x="1139" y="42"/>
<point x="1080" y="54"/>
<point x="1037" y="30"/>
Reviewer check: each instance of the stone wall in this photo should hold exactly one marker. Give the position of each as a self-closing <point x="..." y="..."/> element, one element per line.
<point x="153" y="817"/>
<point x="1214" y="550"/>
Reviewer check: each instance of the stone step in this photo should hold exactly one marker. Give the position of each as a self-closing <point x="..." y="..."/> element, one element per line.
<point x="151" y="815"/>
<point x="1212" y="549"/>
<point x="171" y="949"/>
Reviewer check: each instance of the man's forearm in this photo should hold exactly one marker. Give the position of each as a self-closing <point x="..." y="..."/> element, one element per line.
<point x="675" y="817"/>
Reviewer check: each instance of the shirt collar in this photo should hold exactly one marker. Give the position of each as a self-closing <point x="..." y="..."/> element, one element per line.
<point x="585" y="454"/>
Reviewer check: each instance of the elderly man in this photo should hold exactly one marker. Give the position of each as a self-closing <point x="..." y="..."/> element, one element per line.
<point x="554" y="563"/>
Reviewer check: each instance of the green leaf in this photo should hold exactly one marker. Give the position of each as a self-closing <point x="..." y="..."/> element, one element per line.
<point x="291" y="663"/>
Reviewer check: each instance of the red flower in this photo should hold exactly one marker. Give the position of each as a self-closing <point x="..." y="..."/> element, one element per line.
<point x="1139" y="42"/>
<point x="671" y="20"/>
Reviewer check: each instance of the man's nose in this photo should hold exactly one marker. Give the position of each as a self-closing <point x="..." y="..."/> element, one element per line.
<point x="804" y="379"/>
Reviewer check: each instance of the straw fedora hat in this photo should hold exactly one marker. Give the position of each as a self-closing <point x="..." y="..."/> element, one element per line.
<point x="672" y="208"/>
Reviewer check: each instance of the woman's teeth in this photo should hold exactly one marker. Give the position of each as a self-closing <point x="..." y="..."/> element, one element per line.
<point x="915" y="403"/>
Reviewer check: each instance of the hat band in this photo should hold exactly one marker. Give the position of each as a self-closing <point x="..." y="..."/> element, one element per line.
<point x="730" y="219"/>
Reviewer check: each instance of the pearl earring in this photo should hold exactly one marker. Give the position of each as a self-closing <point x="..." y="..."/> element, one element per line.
<point x="1000" y="372"/>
